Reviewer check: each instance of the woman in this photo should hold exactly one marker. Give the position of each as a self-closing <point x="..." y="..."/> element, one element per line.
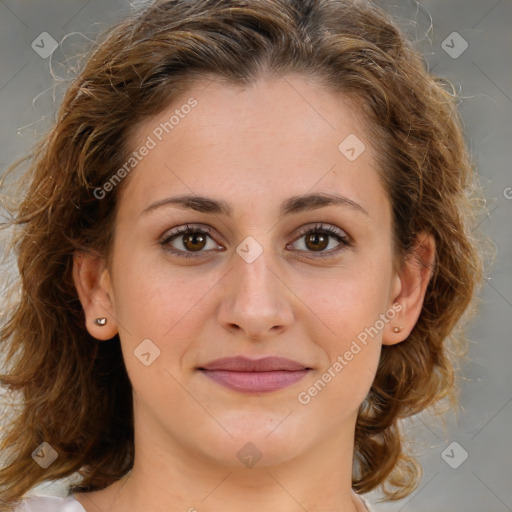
<point x="243" y="250"/>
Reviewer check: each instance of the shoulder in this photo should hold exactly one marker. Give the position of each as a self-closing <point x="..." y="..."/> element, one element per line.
<point x="70" y="504"/>
<point x="37" y="503"/>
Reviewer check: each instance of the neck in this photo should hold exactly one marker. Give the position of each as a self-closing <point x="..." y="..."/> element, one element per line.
<point x="173" y="479"/>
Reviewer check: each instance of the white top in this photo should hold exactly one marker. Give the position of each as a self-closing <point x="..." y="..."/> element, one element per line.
<point x="70" y="504"/>
<point x="49" y="504"/>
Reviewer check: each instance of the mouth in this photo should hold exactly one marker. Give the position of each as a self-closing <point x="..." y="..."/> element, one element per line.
<point x="255" y="375"/>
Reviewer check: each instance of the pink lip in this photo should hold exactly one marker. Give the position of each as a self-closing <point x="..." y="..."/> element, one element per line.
<point x="255" y="375"/>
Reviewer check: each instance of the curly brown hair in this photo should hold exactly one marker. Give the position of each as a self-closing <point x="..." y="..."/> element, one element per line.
<point x="76" y="394"/>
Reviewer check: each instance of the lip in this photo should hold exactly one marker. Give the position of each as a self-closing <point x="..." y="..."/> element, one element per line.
<point x="246" y="364"/>
<point x="247" y="375"/>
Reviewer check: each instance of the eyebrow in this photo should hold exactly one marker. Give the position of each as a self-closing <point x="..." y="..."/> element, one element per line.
<point x="292" y="205"/>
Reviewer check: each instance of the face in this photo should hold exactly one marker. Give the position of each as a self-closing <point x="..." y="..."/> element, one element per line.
<point x="287" y="255"/>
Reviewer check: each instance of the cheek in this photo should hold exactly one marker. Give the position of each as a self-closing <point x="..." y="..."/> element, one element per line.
<point x="351" y="347"/>
<point x="149" y="292"/>
<point x="347" y="325"/>
<point x="163" y="303"/>
<point x="349" y="301"/>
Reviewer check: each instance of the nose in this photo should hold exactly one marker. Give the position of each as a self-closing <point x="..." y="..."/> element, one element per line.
<point x="255" y="300"/>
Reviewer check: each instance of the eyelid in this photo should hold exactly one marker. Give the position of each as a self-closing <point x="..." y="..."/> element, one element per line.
<point x="328" y="228"/>
<point x="187" y="228"/>
<point x="345" y="241"/>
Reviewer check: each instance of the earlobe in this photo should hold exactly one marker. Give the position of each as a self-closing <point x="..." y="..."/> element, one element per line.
<point x="411" y="285"/>
<point x="92" y="282"/>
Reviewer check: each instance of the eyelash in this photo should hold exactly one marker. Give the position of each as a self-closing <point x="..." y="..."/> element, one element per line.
<point x="344" y="239"/>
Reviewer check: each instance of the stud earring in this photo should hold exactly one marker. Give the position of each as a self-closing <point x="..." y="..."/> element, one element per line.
<point x="397" y="329"/>
<point x="100" y="321"/>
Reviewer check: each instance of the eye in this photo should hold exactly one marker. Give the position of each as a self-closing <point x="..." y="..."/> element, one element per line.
<point x="317" y="238"/>
<point x="187" y="240"/>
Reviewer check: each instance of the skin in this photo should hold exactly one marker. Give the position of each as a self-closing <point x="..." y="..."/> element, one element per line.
<point x="253" y="148"/>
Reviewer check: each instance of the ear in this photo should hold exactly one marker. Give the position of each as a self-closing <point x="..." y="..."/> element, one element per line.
<point x="409" y="288"/>
<point x="92" y="281"/>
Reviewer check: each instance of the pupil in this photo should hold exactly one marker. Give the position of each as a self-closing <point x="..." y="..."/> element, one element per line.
<point x="193" y="239"/>
<point x="319" y="240"/>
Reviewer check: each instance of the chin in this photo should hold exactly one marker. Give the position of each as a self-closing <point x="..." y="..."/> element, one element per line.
<point x="254" y="442"/>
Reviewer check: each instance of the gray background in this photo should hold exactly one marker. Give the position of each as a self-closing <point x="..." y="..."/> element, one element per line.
<point x="31" y="85"/>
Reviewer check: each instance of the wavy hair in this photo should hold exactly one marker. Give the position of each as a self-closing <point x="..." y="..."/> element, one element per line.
<point x="75" y="392"/>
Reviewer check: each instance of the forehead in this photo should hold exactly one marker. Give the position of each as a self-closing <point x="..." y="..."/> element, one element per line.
<point x="265" y="142"/>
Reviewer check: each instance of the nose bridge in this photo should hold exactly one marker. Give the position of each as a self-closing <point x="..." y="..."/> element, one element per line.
<point x="256" y="300"/>
<point x="257" y="283"/>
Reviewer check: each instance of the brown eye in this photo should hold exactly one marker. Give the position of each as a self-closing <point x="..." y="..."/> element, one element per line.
<point x="318" y="238"/>
<point x="194" y="241"/>
<point x="187" y="240"/>
<point x="317" y="241"/>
